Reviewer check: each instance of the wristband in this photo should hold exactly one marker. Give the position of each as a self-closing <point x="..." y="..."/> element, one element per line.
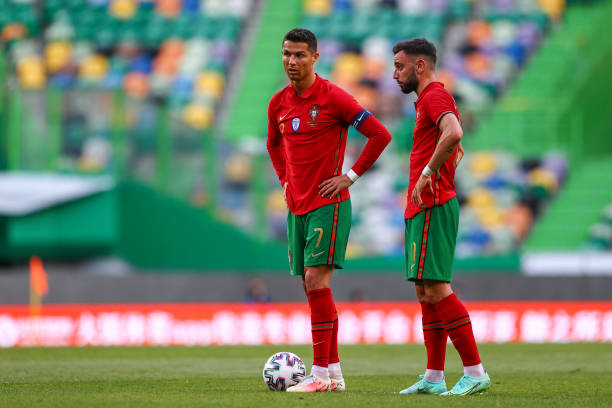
<point x="427" y="171"/>
<point x="352" y="175"/>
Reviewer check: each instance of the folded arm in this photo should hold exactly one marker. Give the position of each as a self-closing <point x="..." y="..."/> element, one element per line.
<point x="450" y="139"/>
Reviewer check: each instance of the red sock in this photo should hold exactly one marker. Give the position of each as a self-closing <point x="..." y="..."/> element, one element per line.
<point x="322" y="321"/>
<point x="435" y="337"/>
<point x="459" y="328"/>
<point x="333" y="349"/>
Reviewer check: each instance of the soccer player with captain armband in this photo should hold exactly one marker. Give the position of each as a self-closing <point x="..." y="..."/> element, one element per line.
<point x="307" y="128"/>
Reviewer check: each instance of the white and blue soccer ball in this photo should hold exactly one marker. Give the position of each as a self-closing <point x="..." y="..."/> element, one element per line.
<point x="283" y="370"/>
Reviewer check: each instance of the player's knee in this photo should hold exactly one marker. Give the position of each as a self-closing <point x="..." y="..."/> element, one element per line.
<point x="420" y="294"/>
<point x="316" y="278"/>
<point x="436" y="293"/>
<point x="312" y="281"/>
<point x="308" y="280"/>
<point x="431" y="297"/>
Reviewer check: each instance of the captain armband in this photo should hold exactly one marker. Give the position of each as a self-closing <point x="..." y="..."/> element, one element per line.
<point x="360" y="118"/>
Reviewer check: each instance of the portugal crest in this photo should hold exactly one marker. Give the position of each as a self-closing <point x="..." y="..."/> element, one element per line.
<point x="295" y="124"/>
<point x="313" y="112"/>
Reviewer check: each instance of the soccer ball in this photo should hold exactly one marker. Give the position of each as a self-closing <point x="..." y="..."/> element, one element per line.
<point x="283" y="370"/>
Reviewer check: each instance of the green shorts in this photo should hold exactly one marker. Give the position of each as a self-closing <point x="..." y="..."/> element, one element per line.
<point x="319" y="237"/>
<point x="430" y="242"/>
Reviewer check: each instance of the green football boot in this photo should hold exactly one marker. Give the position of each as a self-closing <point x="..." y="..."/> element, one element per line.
<point x="425" y="387"/>
<point x="469" y="385"/>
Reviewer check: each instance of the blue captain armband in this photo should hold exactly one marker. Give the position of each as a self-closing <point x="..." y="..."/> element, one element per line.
<point x="360" y="118"/>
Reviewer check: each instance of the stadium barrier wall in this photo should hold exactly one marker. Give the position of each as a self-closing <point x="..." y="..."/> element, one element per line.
<point x="192" y="238"/>
<point x="157" y="231"/>
<point x="203" y="324"/>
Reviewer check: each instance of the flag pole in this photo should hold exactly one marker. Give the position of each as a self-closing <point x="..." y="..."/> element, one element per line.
<point x="35" y="312"/>
<point x="38" y="288"/>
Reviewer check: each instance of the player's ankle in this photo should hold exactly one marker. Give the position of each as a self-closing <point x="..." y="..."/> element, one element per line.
<point x="335" y="372"/>
<point x="475" y="371"/>
<point x="434" y="376"/>
<point x="321" y="373"/>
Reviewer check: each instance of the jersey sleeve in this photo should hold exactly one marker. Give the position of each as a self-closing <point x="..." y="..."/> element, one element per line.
<point x="378" y="139"/>
<point x="351" y="112"/>
<point x="275" y="145"/>
<point x="439" y="104"/>
<point x="345" y="105"/>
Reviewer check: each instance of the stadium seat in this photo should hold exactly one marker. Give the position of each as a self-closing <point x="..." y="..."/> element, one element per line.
<point x="180" y="52"/>
<point x="144" y="47"/>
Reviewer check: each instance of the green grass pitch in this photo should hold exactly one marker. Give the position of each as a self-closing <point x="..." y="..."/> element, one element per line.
<point x="523" y="375"/>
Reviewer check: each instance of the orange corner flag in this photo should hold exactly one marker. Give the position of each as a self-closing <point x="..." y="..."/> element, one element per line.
<point x="38" y="277"/>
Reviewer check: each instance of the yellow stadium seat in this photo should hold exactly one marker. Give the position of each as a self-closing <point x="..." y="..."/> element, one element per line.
<point x="347" y="69"/>
<point x="354" y="250"/>
<point x="57" y="55"/>
<point x="491" y="216"/>
<point x="276" y="203"/>
<point x="482" y="164"/>
<point x="554" y="8"/>
<point x="543" y="178"/>
<point x="238" y="169"/>
<point x="94" y="68"/>
<point x="481" y="198"/>
<point x="317" y="7"/>
<point x="31" y="71"/>
<point x="123" y="9"/>
<point x="198" y="116"/>
<point x="210" y="83"/>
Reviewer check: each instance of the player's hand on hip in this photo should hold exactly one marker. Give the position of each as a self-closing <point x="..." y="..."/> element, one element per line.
<point x="333" y="186"/>
<point x="459" y="155"/>
<point x="423" y="182"/>
<point x="285" y="193"/>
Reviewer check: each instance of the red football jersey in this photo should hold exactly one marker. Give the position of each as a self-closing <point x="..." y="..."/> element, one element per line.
<point x="432" y="104"/>
<point x="309" y="133"/>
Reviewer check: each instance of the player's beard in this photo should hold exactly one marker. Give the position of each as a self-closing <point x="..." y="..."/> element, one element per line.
<point x="411" y="84"/>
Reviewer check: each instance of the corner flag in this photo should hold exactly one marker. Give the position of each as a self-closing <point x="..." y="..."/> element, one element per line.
<point x="38" y="277"/>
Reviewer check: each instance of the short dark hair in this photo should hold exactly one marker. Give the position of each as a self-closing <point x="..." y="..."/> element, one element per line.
<point x="304" y="36"/>
<point x="417" y="46"/>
